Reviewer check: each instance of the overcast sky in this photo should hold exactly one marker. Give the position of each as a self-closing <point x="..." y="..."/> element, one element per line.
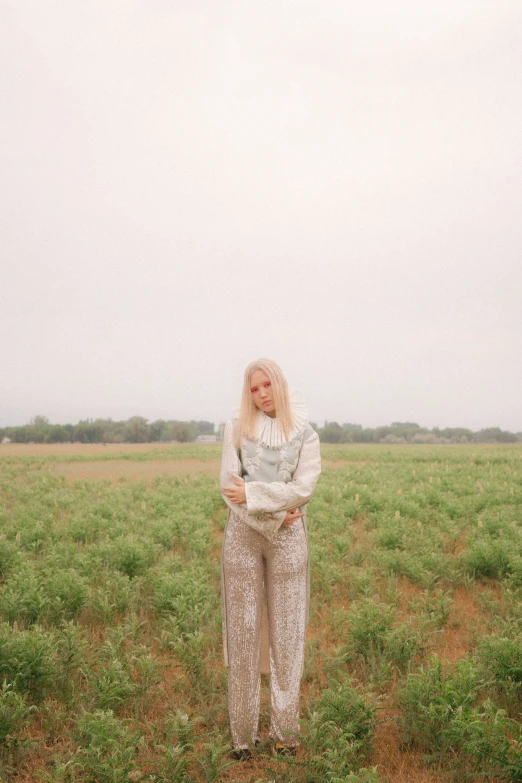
<point x="189" y="184"/>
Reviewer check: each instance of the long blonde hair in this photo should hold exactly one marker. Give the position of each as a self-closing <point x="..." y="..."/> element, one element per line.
<point x="248" y="410"/>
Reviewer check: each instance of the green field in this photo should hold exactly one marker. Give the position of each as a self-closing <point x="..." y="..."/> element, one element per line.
<point x="110" y="618"/>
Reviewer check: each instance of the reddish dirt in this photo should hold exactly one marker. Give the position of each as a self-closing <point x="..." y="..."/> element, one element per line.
<point x="113" y="470"/>
<point x="50" y="449"/>
<point x="397" y="765"/>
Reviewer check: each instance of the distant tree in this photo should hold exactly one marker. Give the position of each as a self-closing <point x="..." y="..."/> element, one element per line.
<point x="38" y="429"/>
<point x="184" y="432"/>
<point x="180" y="431"/>
<point x="57" y="433"/>
<point x="451" y="433"/>
<point x="393" y="439"/>
<point x="86" y="431"/>
<point x="155" y="429"/>
<point x="136" y="430"/>
<point x="366" y="435"/>
<point x="203" y="427"/>
<point x="39" y="421"/>
<point x="109" y="431"/>
<point x="19" y="434"/>
<point x="357" y="434"/>
<point x="495" y="435"/>
<point x="330" y="434"/>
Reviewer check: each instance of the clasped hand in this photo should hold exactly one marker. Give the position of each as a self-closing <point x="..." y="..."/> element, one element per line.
<point x="237" y="495"/>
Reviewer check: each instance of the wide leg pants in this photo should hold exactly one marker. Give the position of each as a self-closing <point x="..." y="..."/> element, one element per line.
<point x="251" y="561"/>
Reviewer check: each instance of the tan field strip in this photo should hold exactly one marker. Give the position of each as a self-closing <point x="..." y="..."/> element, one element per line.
<point x="113" y="470"/>
<point x="67" y="449"/>
<point x="117" y="468"/>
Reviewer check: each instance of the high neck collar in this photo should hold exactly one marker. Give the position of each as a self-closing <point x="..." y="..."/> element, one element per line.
<point x="269" y="432"/>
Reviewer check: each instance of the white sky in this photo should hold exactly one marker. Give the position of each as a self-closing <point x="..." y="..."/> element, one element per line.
<point x="188" y="185"/>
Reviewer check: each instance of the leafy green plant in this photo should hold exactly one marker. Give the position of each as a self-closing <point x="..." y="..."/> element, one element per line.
<point x="500" y="660"/>
<point x="111" y="597"/>
<point x="491" y="557"/>
<point x="112" y="686"/>
<point x="176" y="745"/>
<point x="402" y="644"/>
<point x="8" y="555"/>
<point x="23" y="599"/>
<point x="15" y="714"/>
<point x="106" y="747"/>
<point x="369" y="624"/>
<point x="132" y="557"/>
<point x="491" y="744"/>
<point x="432" y="699"/>
<point x="67" y="594"/>
<point x="27" y="660"/>
<point x="338" y="733"/>
<point x="186" y="597"/>
<point x="214" y="760"/>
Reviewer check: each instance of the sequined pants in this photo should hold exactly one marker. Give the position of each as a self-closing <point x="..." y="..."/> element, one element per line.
<point x="249" y="559"/>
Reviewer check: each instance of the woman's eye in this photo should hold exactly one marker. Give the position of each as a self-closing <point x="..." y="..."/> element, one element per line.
<point x="254" y="389"/>
<point x="267" y="384"/>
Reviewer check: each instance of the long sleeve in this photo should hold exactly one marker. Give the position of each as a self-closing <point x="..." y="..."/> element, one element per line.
<point x="270" y="497"/>
<point x="266" y="523"/>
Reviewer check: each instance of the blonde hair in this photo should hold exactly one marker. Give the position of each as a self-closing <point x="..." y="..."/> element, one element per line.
<point x="248" y="410"/>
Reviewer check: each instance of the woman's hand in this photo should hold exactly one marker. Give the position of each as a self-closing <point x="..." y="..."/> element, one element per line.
<point x="291" y="516"/>
<point x="236" y="494"/>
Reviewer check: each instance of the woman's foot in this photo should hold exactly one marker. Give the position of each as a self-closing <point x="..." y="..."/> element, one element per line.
<point x="243" y="754"/>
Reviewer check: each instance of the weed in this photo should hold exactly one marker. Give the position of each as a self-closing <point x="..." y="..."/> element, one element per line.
<point x="106" y="747"/>
<point x="500" y="660"/>
<point x="23" y="599"/>
<point x="339" y="732"/>
<point x="487" y="558"/>
<point x="432" y="699"/>
<point x="14" y="716"/>
<point x="27" y="660"/>
<point x="370" y="622"/>
<point x="491" y="744"/>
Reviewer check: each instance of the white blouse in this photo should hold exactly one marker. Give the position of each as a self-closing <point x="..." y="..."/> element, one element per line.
<point x="278" y="477"/>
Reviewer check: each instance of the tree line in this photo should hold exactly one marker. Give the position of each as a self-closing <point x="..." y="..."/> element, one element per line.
<point x="138" y="429"/>
<point x="410" y="432"/>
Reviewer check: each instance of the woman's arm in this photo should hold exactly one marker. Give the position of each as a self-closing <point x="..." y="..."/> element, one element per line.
<point x="279" y="495"/>
<point x="230" y="467"/>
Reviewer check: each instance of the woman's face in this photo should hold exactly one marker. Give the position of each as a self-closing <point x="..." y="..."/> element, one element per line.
<point x="261" y="391"/>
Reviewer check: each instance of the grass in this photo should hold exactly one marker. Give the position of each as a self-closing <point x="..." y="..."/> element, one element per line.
<point x="110" y="619"/>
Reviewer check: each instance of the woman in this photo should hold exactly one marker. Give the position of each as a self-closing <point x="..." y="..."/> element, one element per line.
<point x="270" y="466"/>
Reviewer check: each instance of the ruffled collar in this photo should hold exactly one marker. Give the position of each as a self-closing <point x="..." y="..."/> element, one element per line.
<point x="268" y="431"/>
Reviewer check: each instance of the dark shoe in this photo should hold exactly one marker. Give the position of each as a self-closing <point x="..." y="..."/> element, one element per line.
<point x="244" y="754"/>
<point x="241" y="754"/>
<point x="284" y="750"/>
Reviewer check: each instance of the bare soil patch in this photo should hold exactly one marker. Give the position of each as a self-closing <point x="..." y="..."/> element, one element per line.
<point x="51" y="449"/>
<point x="113" y="470"/>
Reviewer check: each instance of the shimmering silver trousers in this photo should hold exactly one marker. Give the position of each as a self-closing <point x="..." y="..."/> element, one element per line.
<point x="249" y="560"/>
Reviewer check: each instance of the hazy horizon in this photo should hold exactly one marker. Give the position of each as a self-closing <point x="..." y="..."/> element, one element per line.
<point x="189" y="186"/>
<point x="320" y="423"/>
